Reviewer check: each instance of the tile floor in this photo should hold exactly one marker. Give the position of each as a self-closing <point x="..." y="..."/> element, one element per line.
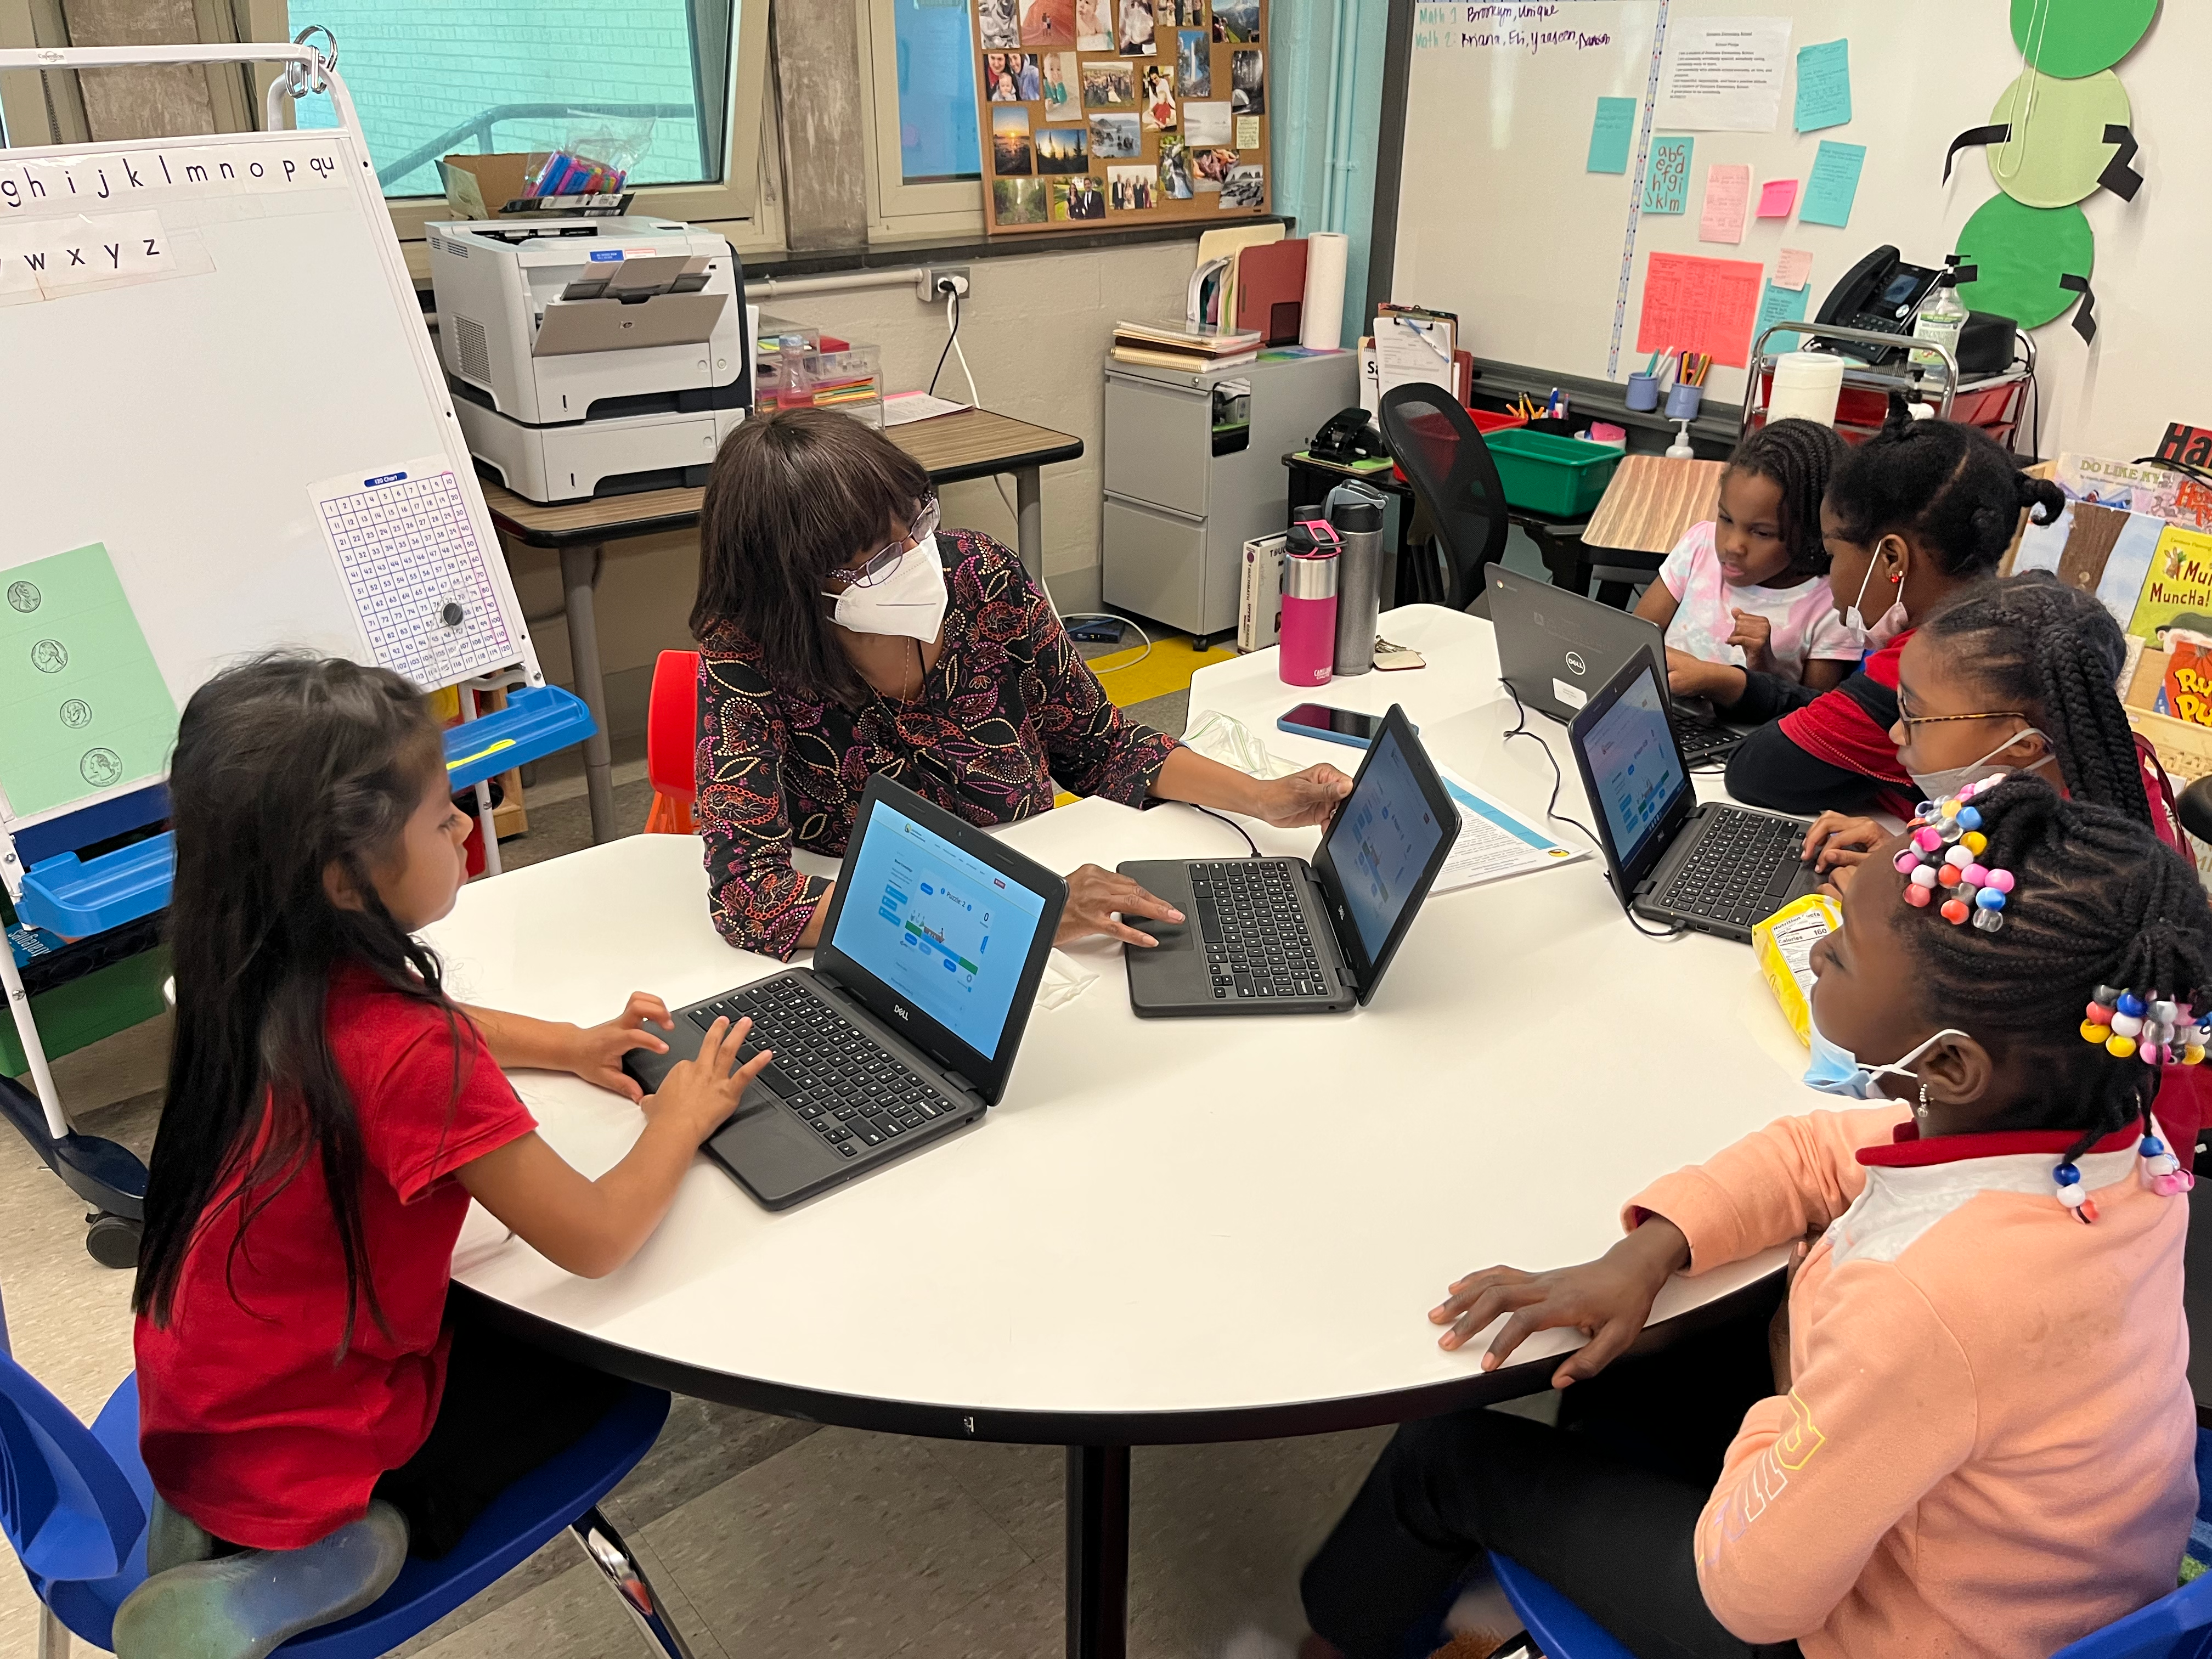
<point x="767" y="1537"/>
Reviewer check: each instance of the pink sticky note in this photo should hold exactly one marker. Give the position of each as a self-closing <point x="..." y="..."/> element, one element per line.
<point x="1792" y="268"/>
<point x="1728" y="193"/>
<point x="1776" y="198"/>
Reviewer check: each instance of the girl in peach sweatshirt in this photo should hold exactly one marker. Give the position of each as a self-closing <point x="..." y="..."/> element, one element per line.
<point x="1978" y="1444"/>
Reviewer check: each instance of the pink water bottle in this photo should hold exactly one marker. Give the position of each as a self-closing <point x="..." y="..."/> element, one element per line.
<point x="1308" y="646"/>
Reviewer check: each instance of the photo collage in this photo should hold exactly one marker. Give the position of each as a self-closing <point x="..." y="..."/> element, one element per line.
<point x="1100" y="109"/>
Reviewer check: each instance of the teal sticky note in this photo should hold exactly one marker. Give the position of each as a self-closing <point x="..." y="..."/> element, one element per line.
<point x="1824" y="85"/>
<point x="1667" y="176"/>
<point x="1833" y="184"/>
<point x="1780" y="304"/>
<point x="1610" y="135"/>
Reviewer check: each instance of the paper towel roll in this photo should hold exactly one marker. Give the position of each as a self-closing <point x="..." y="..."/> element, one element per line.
<point x="1321" y="326"/>
<point x="1807" y="385"/>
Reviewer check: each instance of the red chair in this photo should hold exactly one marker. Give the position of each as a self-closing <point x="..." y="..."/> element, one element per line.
<point x="672" y="743"/>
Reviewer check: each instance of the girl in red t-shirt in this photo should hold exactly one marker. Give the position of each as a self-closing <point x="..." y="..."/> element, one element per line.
<point x="303" y="1386"/>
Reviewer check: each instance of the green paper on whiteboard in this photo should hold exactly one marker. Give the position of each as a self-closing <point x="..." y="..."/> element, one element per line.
<point x="1780" y="304"/>
<point x="83" y="709"/>
<point x="2018" y="255"/>
<point x="1610" y="133"/>
<point x="1833" y="184"/>
<point x="2073" y="38"/>
<point x="1824" y="85"/>
<point x="1667" y="176"/>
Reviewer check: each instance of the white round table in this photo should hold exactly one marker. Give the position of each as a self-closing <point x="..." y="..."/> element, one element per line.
<point x="1190" y="1229"/>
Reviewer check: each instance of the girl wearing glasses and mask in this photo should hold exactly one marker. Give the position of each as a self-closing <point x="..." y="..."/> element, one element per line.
<point x="1912" y="518"/>
<point x="842" y="633"/>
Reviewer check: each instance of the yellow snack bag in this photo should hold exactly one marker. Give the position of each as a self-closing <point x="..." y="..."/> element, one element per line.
<point x="1783" y="944"/>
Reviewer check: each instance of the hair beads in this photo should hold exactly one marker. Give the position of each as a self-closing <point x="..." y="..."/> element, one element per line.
<point x="1942" y="865"/>
<point x="2160" y="1031"/>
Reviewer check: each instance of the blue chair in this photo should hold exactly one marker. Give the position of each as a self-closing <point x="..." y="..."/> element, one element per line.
<point x="2178" y="1625"/>
<point x="74" y="1502"/>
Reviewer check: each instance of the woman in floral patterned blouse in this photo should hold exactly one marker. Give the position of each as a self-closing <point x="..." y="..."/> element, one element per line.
<point x="842" y="634"/>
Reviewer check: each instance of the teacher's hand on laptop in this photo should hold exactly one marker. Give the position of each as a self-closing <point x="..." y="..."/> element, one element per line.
<point x="1096" y="896"/>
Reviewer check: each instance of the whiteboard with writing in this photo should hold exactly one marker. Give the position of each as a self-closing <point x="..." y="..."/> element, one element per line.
<point x="1498" y="220"/>
<point x="212" y="363"/>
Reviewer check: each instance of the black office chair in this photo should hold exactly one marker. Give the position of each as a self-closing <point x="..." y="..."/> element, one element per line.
<point x="1456" y="482"/>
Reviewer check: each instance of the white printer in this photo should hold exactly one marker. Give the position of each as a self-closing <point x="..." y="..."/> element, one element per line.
<point x="591" y="357"/>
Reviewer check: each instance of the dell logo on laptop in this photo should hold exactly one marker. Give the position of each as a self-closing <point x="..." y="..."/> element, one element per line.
<point x="1575" y="662"/>
<point x="900" y="1012"/>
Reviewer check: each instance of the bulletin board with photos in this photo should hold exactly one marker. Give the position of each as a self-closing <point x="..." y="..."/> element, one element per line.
<point x="1097" y="112"/>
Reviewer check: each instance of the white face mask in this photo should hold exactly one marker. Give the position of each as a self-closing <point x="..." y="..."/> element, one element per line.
<point x="1876" y="634"/>
<point x="1941" y="785"/>
<point x="911" y="601"/>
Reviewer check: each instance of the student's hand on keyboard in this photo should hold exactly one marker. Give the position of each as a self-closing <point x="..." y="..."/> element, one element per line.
<point x="1095" y="894"/>
<point x="703" y="1093"/>
<point x="597" y="1051"/>
<point x="1610" y="1298"/>
<point x="1694" y="677"/>
<point x="1837" y="840"/>
<point x="1303" y="798"/>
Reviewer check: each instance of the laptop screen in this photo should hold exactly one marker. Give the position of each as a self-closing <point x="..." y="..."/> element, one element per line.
<point x="1634" y="765"/>
<point x="1382" y="843"/>
<point x="937" y="926"/>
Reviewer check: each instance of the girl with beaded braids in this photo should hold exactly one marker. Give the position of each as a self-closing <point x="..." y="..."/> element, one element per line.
<point x="1747" y="589"/>
<point x="2013" y="676"/>
<point x="1978" y="1442"/>
<point x="1915" y="515"/>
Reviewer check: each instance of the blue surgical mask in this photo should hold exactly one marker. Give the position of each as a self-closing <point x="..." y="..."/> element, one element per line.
<point x="1835" y="1070"/>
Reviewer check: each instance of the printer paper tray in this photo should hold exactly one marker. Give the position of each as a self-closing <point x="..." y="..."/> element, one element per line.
<point x="570" y="326"/>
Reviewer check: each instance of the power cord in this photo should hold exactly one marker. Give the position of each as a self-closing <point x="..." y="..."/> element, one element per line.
<point x="953" y="348"/>
<point x="1231" y="823"/>
<point x="1550" y="808"/>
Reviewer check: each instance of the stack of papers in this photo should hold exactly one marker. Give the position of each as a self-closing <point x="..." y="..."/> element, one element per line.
<point x="903" y="406"/>
<point x="1194" y="346"/>
<point x="1495" y="842"/>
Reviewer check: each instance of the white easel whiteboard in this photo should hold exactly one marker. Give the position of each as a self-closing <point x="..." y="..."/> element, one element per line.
<point x="1499" y="220"/>
<point x="253" y="346"/>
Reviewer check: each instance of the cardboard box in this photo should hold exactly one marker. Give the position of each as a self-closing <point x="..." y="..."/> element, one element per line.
<point x="2184" y="749"/>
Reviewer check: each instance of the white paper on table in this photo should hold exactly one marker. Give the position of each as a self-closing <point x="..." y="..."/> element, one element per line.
<point x="1724" y="74"/>
<point x="903" y="406"/>
<point x="1495" y="842"/>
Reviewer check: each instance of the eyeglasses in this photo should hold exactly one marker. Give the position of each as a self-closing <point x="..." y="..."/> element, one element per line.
<point x="1907" y="720"/>
<point x="878" y="567"/>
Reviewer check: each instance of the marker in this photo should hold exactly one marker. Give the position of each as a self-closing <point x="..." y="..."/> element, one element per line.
<point x="493" y="748"/>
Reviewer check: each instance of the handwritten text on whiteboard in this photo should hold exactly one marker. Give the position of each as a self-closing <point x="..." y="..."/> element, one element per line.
<point x="1529" y="26"/>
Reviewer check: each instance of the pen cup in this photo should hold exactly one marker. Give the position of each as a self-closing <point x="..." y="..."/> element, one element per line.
<point x="1643" y="392"/>
<point x="1682" y="403"/>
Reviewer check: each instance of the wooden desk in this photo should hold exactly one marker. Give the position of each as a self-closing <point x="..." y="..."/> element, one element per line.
<point x="973" y="444"/>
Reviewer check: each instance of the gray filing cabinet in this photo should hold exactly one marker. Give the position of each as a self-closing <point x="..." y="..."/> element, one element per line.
<point x="1185" y="490"/>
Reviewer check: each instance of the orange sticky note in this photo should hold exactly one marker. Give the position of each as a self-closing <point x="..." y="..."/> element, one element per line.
<point x="1776" y="198"/>
<point x="1696" y="304"/>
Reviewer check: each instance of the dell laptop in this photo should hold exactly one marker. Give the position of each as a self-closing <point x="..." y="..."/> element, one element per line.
<point x="1279" y="936"/>
<point x="1556" y="648"/>
<point x="905" y="1027"/>
<point x="1715" y="868"/>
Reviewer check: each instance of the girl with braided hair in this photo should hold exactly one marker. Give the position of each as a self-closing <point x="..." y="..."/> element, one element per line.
<point x="1978" y="1437"/>
<point x="1915" y="515"/>
<point x="2013" y="676"/>
<point x="1747" y="589"/>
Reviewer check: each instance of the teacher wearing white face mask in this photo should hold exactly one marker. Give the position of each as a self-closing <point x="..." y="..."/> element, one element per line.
<point x="841" y="633"/>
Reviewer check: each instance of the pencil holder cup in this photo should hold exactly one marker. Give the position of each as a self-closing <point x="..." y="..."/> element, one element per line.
<point x="1643" y="392"/>
<point x="1682" y="403"/>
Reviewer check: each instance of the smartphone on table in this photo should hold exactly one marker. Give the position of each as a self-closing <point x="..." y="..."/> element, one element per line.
<point x="1318" y="719"/>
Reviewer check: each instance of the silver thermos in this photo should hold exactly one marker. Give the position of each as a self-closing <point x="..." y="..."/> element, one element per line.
<point x="1356" y="513"/>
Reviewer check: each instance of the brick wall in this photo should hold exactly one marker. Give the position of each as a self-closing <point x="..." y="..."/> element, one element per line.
<point x="418" y="68"/>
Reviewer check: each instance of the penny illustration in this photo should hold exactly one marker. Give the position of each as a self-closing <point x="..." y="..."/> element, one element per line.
<point x="24" y="596"/>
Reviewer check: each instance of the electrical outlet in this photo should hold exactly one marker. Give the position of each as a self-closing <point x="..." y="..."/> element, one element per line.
<point x="938" y="280"/>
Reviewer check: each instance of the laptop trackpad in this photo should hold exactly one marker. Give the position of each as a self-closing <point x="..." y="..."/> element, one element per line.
<point x="770" y="1150"/>
<point x="1170" y="882"/>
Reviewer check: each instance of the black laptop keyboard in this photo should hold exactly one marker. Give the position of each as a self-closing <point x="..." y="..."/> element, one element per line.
<point x="1738" y="871"/>
<point x="1256" y="943"/>
<point x="847" y="1089"/>
<point x="1701" y="743"/>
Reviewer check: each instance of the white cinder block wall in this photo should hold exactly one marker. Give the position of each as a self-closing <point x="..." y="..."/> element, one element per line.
<point x="1036" y="328"/>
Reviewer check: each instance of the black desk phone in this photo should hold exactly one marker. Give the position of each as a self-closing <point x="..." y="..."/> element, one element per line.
<point x="1881" y="293"/>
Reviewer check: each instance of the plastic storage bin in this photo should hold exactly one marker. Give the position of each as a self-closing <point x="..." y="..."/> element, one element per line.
<point x="1562" y="477"/>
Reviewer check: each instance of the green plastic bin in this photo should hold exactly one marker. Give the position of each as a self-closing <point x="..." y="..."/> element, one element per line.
<point x="1543" y="473"/>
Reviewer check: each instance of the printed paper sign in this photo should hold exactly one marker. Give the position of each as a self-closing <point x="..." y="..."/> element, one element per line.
<point x="1728" y="193"/>
<point x="45" y="258"/>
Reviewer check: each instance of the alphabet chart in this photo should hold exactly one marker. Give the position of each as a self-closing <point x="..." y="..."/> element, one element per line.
<point x="415" y="571"/>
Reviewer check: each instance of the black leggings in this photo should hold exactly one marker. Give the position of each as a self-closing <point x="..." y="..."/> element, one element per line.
<point x="507" y="1407"/>
<point x="1604" y="1508"/>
